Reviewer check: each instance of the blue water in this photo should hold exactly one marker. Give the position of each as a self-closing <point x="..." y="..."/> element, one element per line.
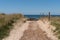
<point x="32" y="16"/>
<point x="38" y="16"/>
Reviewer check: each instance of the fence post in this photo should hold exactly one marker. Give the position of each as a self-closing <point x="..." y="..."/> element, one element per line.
<point x="49" y="16"/>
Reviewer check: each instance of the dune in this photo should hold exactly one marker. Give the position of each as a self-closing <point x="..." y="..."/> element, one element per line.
<point x="32" y="30"/>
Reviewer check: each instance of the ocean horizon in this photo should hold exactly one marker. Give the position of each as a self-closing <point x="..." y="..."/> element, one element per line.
<point x="38" y="16"/>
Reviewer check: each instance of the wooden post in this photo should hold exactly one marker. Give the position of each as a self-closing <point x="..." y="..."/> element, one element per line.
<point x="49" y="16"/>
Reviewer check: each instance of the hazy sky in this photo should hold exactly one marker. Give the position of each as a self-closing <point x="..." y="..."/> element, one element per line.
<point x="30" y="6"/>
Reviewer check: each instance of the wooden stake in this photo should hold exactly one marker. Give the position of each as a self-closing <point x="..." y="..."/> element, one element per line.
<point x="49" y="16"/>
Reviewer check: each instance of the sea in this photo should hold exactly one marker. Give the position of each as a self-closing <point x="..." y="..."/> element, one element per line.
<point x="39" y="16"/>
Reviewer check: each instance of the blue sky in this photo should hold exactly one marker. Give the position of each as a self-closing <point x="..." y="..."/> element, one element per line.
<point x="30" y="6"/>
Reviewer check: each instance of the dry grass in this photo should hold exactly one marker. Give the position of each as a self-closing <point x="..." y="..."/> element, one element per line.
<point x="6" y="22"/>
<point x="55" y="21"/>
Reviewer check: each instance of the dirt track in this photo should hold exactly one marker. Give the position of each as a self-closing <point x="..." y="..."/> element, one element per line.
<point x="31" y="30"/>
<point x="34" y="33"/>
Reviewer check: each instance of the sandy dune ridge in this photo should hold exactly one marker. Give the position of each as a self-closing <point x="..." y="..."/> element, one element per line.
<point x="45" y="26"/>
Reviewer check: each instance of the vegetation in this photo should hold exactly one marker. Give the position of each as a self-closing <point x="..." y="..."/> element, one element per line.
<point x="55" y="21"/>
<point x="6" y="21"/>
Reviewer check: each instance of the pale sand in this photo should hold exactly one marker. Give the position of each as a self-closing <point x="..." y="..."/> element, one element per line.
<point x="34" y="33"/>
<point x="18" y="30"/>
<point x="45" y="26"/>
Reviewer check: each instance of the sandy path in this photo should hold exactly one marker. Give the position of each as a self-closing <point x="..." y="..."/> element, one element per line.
<point x="17" y="32"/>
<point x="21" y="30"/>
<point x="34" y="33"/>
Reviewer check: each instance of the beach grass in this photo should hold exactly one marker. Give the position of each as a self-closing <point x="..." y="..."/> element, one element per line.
<point x="6" y="23"/>
<point x="55" y="21"/>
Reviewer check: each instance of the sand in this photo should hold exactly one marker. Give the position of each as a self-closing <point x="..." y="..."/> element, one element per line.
<point x="32" y="30"/>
